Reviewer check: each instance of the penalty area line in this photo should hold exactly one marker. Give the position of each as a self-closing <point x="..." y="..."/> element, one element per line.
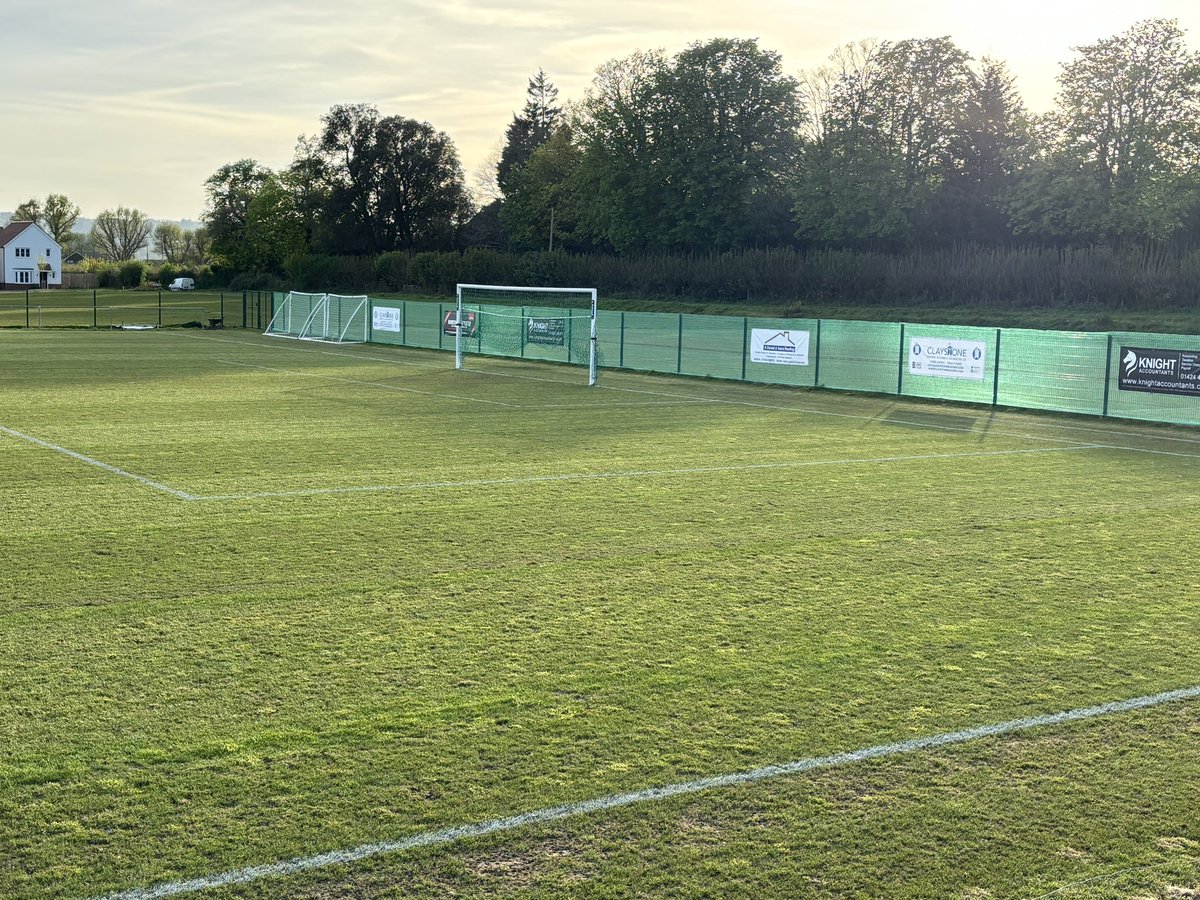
<point x="115" y="470"/>
<point x="614" y="801"/>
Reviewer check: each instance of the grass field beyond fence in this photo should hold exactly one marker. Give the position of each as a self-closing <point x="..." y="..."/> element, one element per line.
<point x="264" y="599"/>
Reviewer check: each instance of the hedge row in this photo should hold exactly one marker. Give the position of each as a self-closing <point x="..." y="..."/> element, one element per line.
<point x="1130" y="278"/>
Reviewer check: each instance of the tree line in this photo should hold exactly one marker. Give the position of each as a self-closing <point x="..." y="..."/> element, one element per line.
<point x="117" y="234"/>
<point x="890" y="146"/>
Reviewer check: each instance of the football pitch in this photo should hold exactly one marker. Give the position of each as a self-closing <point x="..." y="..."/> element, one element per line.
<point x="280" y="618"/>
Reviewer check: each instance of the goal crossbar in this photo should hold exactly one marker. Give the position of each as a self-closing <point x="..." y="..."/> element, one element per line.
<point x="542" y="328"/>
<point x="328" y="318"/>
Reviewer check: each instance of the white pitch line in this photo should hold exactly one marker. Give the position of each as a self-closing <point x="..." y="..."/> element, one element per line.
<point x="614" y="801"/>
<point x="635" y="473"/>
<point x="141" y="479"/>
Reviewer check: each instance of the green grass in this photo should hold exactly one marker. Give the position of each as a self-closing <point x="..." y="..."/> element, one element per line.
<point x="191" y="687"/>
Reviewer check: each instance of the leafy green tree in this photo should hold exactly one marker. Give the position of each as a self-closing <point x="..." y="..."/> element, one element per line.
<point x="990" y="147"/>
<point x="546" y="200"/>
<point x="229" y="192"/>
<point x="394" y="183"/>
<point x="119" y="234"/>
<point x="530" y="129"/>
<point x="56" y="214"/>
<point x="891" y="130"/>
<point x="691" y="153"/>
<point x="617" y="129"/>
<point x="196" y="246"/>
<point x="274" y="231"/>
<point x="307" y="182"/>
<point x="168" y="242"/>
<point x="59" y="216"/>
<point x="1125" y="138"/>
<point x="729" y="139"/>
<point x="29" y="211"/>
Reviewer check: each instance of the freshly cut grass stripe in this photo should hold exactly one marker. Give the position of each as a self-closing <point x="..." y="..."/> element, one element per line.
<point x="613" y="801"/>
<point x="639" y="473"/>
<point x="356" y="381"/>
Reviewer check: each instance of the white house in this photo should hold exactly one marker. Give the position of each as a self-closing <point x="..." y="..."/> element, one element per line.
<point x="29" y="257"/>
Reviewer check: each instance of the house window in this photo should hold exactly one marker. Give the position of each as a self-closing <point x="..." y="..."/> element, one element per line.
<point x="22" y="252"/>
<point x="23" y="277"/>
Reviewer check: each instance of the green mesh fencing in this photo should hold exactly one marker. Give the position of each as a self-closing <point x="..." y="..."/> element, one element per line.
<point x="650" y="342"/>
<point x="860" y="356"/>
<point x="1154" y="377"/>
<point x="549" y="334"/>
<point x="1168" y="392"/>
<point x="948" y="362"/>
<point x="1053" y="370"/>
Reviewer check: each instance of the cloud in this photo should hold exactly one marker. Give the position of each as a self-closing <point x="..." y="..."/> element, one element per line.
<point x="138" y="101"/>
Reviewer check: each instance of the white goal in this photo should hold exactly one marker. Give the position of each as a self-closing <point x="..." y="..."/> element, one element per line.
<point x="331" y="318"/>
<point x="544" y="323"/>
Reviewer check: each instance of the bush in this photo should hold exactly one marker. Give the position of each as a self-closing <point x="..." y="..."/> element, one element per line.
<point x="131" y="273"/>
<point x="391" y="270"/>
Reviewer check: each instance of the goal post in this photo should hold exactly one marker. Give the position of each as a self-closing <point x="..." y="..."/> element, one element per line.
<point x="553" y="324"/>
<point x="330" y="318"/>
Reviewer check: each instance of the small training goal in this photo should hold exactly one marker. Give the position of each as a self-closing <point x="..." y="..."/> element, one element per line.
<point x="332" y="318"/>
<point x="542" y="323"/>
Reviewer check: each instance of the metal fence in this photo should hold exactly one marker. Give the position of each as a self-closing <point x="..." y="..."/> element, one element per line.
<point x="1132" y="375"/>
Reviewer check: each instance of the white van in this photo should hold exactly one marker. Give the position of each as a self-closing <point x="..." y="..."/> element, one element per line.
<point x="182" y="284"/>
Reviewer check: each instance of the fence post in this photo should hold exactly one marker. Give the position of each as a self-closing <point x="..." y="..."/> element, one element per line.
<point x="95" y="323"/>
<point x="243" y="309"/>
<point x="222" y="307"/>
<point x="996" y="371"/>
<point x="160" y="308"/>
<point x="900" y="367"/>
<point x="404" y="322"/>
<point x="745" y="337"/>
<point x="679" y="348"/>
<point x="621" y="354"/>
<point x="817" y="358"/>
<point x="26" y="307"/>
<point x="1107" y="374"/>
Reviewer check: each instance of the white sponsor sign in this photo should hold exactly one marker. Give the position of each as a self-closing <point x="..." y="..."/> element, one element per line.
<point x="784" y="348"/>
<point x="385" y="318"/>
<point x="946" y="358"/>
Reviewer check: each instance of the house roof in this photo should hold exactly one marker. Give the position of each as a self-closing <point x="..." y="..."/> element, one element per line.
<point x="11" y="230"/>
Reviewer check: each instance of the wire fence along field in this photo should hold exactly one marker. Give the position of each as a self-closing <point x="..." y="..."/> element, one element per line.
<point x="114" y="309"/>
<point x="1154" y="377"/>
<point x="284" y="619"/>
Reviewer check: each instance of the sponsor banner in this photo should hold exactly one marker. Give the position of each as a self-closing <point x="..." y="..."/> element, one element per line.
<point x="780" y="348"/>
<point x="1155" y="371"/>
<point x="546" y="331"/>
<point x="385" y="318"/>
<point x="450" y="322"/>
<point x="943" y="358"/>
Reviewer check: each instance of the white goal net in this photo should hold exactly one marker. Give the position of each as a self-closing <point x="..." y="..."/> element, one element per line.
<point x="332" y="318"/>
<point x="548" y="324"/>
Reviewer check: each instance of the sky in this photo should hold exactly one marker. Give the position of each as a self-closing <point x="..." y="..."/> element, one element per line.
<point x="136" y="102"/>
